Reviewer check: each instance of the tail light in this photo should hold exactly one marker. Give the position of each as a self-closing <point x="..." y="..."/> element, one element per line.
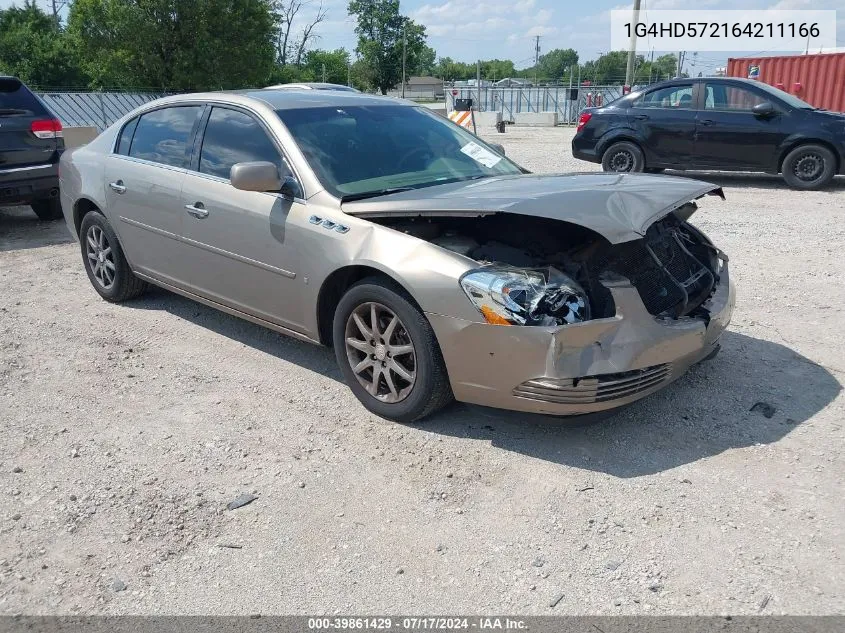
<point x="583" y="120"/>
<point x="46" y="128"/>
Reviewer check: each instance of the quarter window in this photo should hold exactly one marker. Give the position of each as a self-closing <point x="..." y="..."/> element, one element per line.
<point x="725" y="97"/>
<point x="125" y="139"/>
<point x="679" y="97"/>
<point x="162" y="135"/>
<point x="235" y="137"/>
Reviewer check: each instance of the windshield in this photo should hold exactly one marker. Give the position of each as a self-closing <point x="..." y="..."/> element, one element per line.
<point x="791" y="100"/>
<point x="360" y="149"/>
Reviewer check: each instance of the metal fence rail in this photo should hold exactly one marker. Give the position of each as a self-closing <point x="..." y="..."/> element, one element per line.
<point x="94" y="109"/>
<point x="511" y="101"/>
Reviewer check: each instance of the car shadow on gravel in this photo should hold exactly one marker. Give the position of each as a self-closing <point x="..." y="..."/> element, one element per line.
<point x="718" y="405"/>
<point x="704" y="413"/>
<point x="753" y="180"/>
<point x="21" y="229"/>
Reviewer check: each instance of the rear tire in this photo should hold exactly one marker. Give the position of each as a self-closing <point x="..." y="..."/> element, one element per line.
<point x="47" y="210"/>
<point x="402" y="376"/>
<point x="623" y="157"/>
<point x="809" y="167"/>
<point x="105" y="262"/>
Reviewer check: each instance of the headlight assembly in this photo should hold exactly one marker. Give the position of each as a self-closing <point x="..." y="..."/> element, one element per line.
<point x="521" y="296"/>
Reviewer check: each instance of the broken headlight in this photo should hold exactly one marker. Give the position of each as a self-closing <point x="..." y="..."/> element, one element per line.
<point x="520" y="296"/>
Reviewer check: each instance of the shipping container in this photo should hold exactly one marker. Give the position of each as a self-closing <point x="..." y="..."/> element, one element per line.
<point x="817" y="79"/>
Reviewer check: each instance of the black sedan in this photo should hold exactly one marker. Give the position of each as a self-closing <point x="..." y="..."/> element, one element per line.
<point x="715" y="123"/>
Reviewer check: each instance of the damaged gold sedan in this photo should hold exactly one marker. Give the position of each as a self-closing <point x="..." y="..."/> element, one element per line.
<point x="436" y="267"/>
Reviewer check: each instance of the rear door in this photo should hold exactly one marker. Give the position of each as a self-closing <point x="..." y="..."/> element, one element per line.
<point x="143" y="185"/>
<point x="728" y="135"/>
<point x="244" y="245"/>
<point x="25" y="139"/>
<point x="665" y="120"/>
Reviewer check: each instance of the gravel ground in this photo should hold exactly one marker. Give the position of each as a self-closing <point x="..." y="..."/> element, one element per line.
<point x="125" y="431"/>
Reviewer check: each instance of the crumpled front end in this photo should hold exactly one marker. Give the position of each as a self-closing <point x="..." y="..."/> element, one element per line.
<point x="584" y="367"/>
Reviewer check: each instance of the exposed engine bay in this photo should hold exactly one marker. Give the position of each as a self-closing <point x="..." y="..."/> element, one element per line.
<point x="537" y="271"/>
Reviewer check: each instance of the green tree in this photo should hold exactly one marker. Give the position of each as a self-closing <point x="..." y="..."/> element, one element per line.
<point x="556" y="63"/>
<point x="381" y="30"/>
<point x="34" y="48"/>
<point x="336" y="64"/>
<point x="174" y="44"/>
<point x="495" y="69"/>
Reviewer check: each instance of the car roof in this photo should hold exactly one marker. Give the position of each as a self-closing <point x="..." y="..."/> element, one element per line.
<point x="290" y="98"/>
<point x="312" y="85"/>
<point x="686" y="80"/>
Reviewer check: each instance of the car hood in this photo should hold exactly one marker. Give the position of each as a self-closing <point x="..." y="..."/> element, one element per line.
<point x="620" y="207"/>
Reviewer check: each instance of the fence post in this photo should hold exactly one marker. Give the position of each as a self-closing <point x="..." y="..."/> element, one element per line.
<point x="103" y="110"/>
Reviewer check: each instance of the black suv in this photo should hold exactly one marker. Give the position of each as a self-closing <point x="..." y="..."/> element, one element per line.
<point x="715" y="123"/>
<point x="30" y="146"/>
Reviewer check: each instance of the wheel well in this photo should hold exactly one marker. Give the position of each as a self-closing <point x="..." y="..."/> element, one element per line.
<point x="336" y="285"/>
<point x="809" y="141"/>
<point x="82" y="206"/>
<point x="620" y="139"/>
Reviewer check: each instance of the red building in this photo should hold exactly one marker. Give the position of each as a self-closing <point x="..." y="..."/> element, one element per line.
<point x="817" y="79"/>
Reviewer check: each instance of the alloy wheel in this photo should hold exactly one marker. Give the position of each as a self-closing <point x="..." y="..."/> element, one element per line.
<point x="380" y="352"/>
<point x="100" y="256"/>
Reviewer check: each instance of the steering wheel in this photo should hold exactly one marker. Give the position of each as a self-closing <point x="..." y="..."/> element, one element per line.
<point x="412" y="152"/>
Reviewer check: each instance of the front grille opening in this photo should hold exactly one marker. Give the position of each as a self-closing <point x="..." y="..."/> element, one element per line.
<point x="671" y="269"/>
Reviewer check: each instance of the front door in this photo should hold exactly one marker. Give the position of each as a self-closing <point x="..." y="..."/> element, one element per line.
<point x="244" y="246"/>
<point x="143" y="185"/>
<point x="728" y="135"/>
<point x="665" y="121"/>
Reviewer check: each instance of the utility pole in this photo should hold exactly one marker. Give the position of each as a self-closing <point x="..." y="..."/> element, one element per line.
<point x="404" y="46"/>
<point x="680" y="62"/>
<point x="536" y="56"/>
<point x="632" y="47"/>
<point x="324" y="73"/>
<point x="349" y="74"/>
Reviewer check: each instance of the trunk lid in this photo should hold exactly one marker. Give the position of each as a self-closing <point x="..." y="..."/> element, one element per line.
<point x="19" y="146"/>
<point x="620" y="207"/>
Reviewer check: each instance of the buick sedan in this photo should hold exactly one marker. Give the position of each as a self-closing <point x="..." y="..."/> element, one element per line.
<point x="436" y="267"/>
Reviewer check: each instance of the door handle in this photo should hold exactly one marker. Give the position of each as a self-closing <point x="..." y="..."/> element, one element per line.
<point x="707" y="122"/>
<point x="641" y="117"/>
<point x="117" y="186"/>
<point x="197" y="210"/>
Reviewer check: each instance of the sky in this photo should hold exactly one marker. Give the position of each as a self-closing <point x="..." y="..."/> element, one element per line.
<point x="466" y="30"/>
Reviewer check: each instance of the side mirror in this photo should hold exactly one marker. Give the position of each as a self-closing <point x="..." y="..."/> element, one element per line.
<point x="764" y="110"/>
<point x="498" y="147"/>
<point x="255" y="176"/>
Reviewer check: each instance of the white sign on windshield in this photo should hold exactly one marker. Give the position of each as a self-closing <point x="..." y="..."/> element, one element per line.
<point x="480" y="154"/>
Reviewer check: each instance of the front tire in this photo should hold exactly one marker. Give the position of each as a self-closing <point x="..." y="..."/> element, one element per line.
<point x="623" y="157"/>
<point x="809" y="167"/>
<point x="105" y="262"/>
<point x="47" y="210"/>
<point x="388" y="354"/>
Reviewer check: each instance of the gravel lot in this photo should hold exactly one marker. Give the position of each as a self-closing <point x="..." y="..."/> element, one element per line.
<point x="125" y="431"/>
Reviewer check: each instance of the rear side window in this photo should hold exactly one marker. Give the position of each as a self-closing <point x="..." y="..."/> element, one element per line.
<point x="162" y="136"/>
<point x="234" y="137"/>
<point x="726" y="97"/>
<point x="679" y="97"/>
<point x="15" y="98"/>
<point x="125" y="139"/>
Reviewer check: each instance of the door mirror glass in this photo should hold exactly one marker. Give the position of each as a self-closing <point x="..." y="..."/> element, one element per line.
<point x="764" y="109"/>
<point x="498" y="147"/>
<point x="256" y="176"/>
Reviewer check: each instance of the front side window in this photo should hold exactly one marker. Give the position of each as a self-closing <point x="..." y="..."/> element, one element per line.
<point x="670" y="97"/>
<point x="726" y="97"/>
<point x="235" y="137"/>
<point x="162" y="136"/>
<point x="361" y="149"/>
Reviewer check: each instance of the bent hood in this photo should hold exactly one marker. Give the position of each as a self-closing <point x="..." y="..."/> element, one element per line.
<point x="620" y="207"/>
